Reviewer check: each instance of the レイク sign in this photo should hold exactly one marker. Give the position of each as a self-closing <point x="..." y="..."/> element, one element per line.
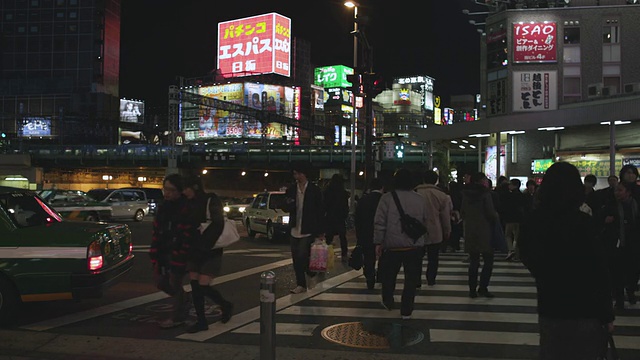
<point x="255" y="45"/>
<point x="534" y="42"/>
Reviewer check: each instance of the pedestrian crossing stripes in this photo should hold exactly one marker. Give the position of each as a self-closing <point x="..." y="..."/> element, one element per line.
<point x="506" y="325"/>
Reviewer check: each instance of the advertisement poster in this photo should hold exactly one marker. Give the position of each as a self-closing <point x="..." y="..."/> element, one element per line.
<point x="332" y="76"/>
<point x="35" y="126"/>
<point x="534" y="42"/>
<point x="490" y="163"/>
<point x="215" y="123"/>
<point x="254" y="45"/>
<point x="131" y="111"/>
<point x="317" y="98"/>
<point x="535" y="90"/>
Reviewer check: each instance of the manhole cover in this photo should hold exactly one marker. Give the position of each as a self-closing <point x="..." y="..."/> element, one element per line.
<point x="380" y="336"/>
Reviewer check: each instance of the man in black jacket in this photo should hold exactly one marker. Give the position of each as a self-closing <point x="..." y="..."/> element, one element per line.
<point x="306" y="219"/>
<point x="365" y="213"/>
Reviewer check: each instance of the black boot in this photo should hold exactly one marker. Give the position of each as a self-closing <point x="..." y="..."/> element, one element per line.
<point x="198" y="305"/>
<point x="226" y="306"/>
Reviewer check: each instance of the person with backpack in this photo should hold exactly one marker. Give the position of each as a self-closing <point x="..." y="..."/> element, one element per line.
<point x="203" y="261"/>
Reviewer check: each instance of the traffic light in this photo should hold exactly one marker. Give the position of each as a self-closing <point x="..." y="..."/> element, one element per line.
<point x="373" y="84"/>
<point x="356" y="83"/>
<point x="399" y="150"/>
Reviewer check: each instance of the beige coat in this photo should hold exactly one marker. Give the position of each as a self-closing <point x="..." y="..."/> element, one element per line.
<point x="439" y="207"/>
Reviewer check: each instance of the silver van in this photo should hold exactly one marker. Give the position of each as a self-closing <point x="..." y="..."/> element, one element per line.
<point x="125" y="203"/>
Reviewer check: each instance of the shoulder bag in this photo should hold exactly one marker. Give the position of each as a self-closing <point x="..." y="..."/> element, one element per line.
<point x="229" y="232"/>
<point x="410" y="225"/>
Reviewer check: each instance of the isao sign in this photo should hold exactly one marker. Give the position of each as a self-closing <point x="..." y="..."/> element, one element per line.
<point x="255" y="45"/>
<point x="535" y="42"/>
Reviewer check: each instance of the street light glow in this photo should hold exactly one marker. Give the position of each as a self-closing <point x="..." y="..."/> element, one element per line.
<point x="350" y="4"/>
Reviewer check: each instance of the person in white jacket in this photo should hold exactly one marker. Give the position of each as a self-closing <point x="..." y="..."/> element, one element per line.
<point x="439" y="208"/>
<point x="400" y="250"/>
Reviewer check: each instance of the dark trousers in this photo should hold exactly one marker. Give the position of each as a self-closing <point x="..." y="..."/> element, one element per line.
<point x="454" y="239"/>
<point x="300" y="250"/>
<point x="171" y="284"/>
<point x="341" y="232"/>
<point x="390" y="263"/>
<point x="487" y="269"/>
<point x="433" y="258"/>
<point x="369" y="262"/>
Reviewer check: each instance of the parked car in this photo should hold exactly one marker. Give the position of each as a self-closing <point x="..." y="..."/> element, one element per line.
<point x="266" y="215"/>
<point x="125" y="203"/>
<point x="76" y="205"/>
<point x="234" y="208"/>
<point x="154" y="197"/>
<point x="45" y="257"/>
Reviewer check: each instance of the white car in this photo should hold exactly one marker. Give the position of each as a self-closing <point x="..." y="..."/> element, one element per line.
<point x="266" y="215"/>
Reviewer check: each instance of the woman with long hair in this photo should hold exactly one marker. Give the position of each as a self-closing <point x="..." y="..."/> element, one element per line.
<point x="204" y="262"/>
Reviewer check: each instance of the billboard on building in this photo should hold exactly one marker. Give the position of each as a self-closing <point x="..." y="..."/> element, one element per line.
<point x="35" y="126"/>
<point x="337" y="96"/>
<point x="535" y="42"/>
<point x="131" y="111"/>
<point x="254" y="45"/>
<point x="317" y="98"/>
<point x="421" y="84"/>
<point x="332" y="76"/>
<point x="535" y="90"/>
<point x="216" y="123"/>
<point x="490" y="163"/>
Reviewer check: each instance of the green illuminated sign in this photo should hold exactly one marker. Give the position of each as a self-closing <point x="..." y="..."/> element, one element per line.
<point x="332" y="76"/>
<point x="540" y="166"/>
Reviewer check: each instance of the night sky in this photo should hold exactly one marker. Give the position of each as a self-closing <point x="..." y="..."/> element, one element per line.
<point x="162" y="39"/>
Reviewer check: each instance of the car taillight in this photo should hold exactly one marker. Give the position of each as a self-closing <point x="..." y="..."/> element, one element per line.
<point x="130" y="248"/>
<point x="94" y="256"/>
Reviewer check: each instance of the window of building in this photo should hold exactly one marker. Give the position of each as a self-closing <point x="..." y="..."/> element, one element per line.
<point x="72" y="28"/>
<point x="8" y="16"/>
<point x="571" y="35"/>
<point x="35" y="3"/>
<point x="59" y="14"/>
<point x="33" y="29"/>
<point x="571" y="54"/>
<point x="610" y="34"/>
<point x="22" y="29"/>
<point x="60" y="2"/>
<point x="612" y="82"/>
<point x="73" y="14"/>
<point x="73" y="2"/>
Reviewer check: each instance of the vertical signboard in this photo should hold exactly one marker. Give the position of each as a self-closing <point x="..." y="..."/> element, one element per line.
<point x="535" y="90"/>
<point x="534" y="42"/>
<point x="254" y="45"/>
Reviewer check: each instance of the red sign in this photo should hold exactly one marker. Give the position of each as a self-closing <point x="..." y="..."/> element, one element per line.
<point x="254" y="45"/>
<point x="534" y="42"/>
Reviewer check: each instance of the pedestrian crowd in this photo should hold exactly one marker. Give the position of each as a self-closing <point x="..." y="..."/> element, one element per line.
<point x="581" y="245"/>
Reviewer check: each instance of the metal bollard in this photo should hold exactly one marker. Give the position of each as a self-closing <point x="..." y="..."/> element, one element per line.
<point x="267" y="316"/>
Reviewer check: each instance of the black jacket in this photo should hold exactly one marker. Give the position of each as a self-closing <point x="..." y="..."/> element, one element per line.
<point x="365" y="213"/>
<point x="312" y="209"/>
<point x="561" y="249"/>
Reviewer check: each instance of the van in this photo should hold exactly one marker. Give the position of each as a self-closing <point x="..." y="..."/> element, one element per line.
<point x="154" y="197"/>
<point x="125" y="203"/>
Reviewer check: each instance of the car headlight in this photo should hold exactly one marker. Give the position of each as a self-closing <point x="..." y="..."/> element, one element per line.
<point x="285" y="219"/>
<point x="241" y="209"/>
<point x="226" y="209"/>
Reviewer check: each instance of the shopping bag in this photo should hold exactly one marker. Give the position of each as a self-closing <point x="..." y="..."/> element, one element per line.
<point x="497" y="239"/>
<point x="229" y="234"/>
<point x="318" y="256"/>
<point x="331" y="257"/>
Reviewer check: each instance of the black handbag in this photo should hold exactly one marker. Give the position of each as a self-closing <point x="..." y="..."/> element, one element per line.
<point x="356" y="259"/>
<point x="410" y="225"/>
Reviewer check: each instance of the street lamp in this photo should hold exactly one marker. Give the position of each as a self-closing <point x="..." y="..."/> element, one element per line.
<point x="351" y="4"/>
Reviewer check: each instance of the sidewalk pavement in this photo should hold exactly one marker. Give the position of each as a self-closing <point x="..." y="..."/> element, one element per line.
<point x="28" y="345"/>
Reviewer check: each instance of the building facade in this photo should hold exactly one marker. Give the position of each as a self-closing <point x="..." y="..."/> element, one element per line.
<point x="59" y="70"/>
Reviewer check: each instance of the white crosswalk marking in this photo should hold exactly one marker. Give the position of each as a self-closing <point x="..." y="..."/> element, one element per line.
<point x="449" y="314"/>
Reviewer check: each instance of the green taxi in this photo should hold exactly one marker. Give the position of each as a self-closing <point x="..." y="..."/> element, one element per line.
<point x="76" y="205"/>
<point x="44" y="257"/>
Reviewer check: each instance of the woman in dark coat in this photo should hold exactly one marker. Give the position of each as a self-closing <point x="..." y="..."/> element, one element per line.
<point x="204" y="261"/>
<point x="478" y="215"/>
<point x="574" y="292"/>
